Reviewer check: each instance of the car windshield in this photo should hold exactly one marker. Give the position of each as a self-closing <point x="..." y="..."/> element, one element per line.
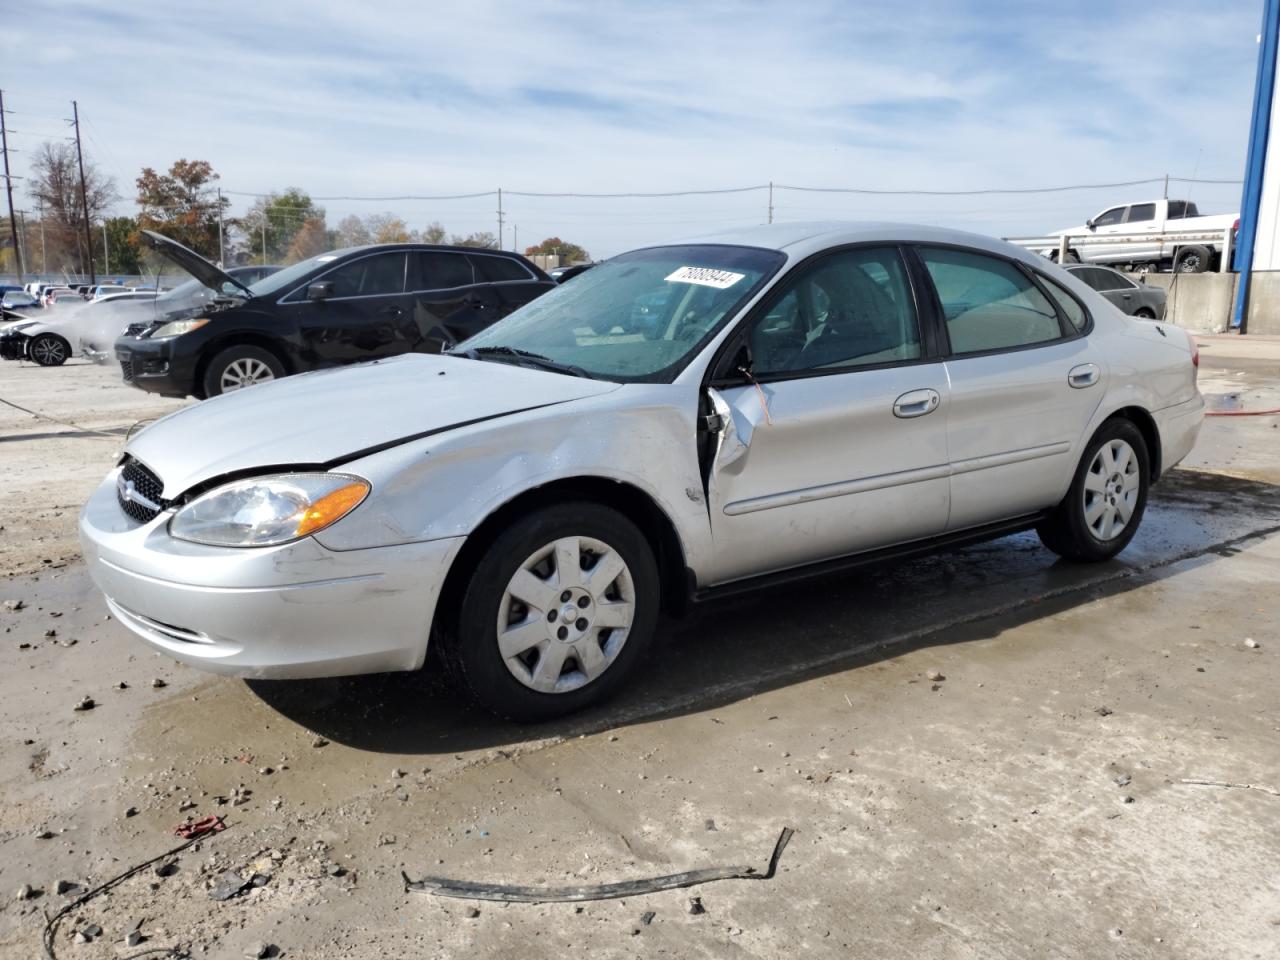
<point x="638" y="317"/>
<point x="283" y="279"/>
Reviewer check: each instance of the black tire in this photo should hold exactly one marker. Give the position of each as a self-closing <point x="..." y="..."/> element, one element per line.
<point x="469" y="634"/>
<point x="1193" y="259"/>
<point x="1072" y="257"/>
<point x="1067" y="531"/>
<point x="49" y="350"/>
<point x="223" y="362"/>
<point x="1144" y="314"/>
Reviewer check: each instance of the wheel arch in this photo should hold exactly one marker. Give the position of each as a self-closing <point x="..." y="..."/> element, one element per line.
<point x="632" y="502"/>
<point x="240" y="338"/>
<point x="1146" y="425"/>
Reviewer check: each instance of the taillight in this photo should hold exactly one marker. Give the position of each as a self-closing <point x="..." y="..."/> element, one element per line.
<point x="1195" y="355"/>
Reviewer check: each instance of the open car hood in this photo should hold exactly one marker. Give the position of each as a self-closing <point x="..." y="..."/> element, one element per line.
<point x="327" y="417"/>
<point x="190" y="261"/>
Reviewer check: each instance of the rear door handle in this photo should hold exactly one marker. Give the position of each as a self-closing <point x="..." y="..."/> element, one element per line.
<point x="916" y="403"/>
<point x="1085" y="375"/>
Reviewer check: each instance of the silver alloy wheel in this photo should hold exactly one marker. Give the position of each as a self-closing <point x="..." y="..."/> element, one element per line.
<point x="566" y="614"/>
<point x="48" y="351"/>
<point x="1111" y="489"/>
<point x="244" y="373"/>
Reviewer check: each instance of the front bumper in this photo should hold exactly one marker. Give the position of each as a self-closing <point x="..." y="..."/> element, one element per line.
<point x="296" y="610"/>
<point x="13" y="345"/>
<point x="151" y="365"/>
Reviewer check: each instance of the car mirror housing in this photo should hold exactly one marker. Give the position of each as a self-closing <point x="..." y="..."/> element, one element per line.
<point x="1089" y="224"/>
<point x="320" y="290"/>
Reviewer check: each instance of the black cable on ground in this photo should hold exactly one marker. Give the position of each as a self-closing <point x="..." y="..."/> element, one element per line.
<point x="64" y="423"/>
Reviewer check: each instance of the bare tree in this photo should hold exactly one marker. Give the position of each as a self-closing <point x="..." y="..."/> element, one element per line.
<point x="55" y="184"/>
<point x="352" y="232"/>
<point x="434" y="232"/>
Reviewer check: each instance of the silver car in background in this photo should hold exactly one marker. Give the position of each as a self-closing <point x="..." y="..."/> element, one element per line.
<point x="1136" y="299"/>
<point x="803" y="397"/>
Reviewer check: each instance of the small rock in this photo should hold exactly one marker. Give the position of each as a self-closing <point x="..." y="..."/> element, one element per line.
<point x="266" y="771"/>
<point x="757" y="769"/>
<point x="1122" y="780"/>
<point x="93" y="930"/>
<point x="81" y="937"/>
<point x="122" y="685"/>
<point x="68" y="643"/>
<point x="186" y="805"/>
<point x="229" y="884"/>
<point x="50" y="634"/>
<point x="337" y="870"/>
<point x="934" y="675"/>
<point x="397" y="773"/>
<point x="472" y="912"/>
<point x="44" y="835"/>
<point x="260" y="879"/>
<point x="64" y="887"/>
<point x="1102" y="711"/>
<point x="695" y="906"/>
<point x="1117" y="933"/>
<point x="13" y="606"/>
<point x="260" y="951"/>
<point x="1251" y="643"/>
<point x="158" y="683"/>
<point x="25" y="892"/>
<point x="85" y="704"/>
<point x="646" y="918"/>
<point x="319" y="742"/>
<point x="735" y="931"/>
<point x="166" y="869"/>
<point x="133" y="937"/>
<point x="1127" y="799"/>
<point x="710" y="824"/>
<point x="131" y="811"/>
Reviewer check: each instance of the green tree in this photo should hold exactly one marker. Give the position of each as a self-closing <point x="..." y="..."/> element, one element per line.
<point x="182" y="204"/>
<point x="123" y="255"/>
<point x="274" y="221"/>
<point x="554" y="246"/>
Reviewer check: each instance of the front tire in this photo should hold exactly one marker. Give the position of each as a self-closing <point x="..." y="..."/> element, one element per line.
<point x="240" y="366"/>
<point x="1102" y="510"/>
<point x="557" y="614"/>
<point x="49" y="350"/>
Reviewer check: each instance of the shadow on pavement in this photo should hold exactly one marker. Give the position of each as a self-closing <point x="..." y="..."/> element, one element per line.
<point x="733" y="649"/>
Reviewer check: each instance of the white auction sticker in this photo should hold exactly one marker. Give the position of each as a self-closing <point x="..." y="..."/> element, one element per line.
<point x="706" y="277"/>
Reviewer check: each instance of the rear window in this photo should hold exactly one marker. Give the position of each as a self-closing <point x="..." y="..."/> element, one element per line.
<point x="442" y="271"/>
<point x="499" y="269"/>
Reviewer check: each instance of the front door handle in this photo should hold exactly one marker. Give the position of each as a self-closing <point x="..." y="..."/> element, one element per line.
<point x="1085" y="375"/>
<point x="916" y="403"/>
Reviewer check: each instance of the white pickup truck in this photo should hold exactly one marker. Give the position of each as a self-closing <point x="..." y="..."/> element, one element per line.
<point x="1152" y="233"/>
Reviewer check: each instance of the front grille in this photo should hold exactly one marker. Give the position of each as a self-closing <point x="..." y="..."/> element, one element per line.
<point x="139" y="491"/>
<point x="126" y="370"/>
<point x="13" y="348"/>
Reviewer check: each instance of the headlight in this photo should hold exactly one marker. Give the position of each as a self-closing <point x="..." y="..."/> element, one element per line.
<point x="176" y="328"/>
<point x="265" y="511"/>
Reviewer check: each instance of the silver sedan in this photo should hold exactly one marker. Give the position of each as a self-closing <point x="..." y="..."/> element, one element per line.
<point x="680" y="422"/>
<point x="1139" y="300"/>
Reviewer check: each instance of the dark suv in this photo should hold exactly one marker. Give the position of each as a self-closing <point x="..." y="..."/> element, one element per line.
<point x="361" y="303"/>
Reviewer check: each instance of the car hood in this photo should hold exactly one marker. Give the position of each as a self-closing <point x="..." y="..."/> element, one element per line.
<point x="327" y="417"/>
<point x="192" y="262"/>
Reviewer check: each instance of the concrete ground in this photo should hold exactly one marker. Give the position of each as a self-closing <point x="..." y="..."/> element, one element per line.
<point x="1032" y="802"/>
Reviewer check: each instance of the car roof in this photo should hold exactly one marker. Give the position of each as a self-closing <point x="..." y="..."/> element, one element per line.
<point x="799" y="240"/>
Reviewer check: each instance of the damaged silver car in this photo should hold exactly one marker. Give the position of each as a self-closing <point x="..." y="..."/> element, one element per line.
<point x="679" y="422"/>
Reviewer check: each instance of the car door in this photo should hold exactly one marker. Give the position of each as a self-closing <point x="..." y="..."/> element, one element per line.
<point x="510" y="284"/>
<point x="1141" y="219"/>
<point x="363" y="313"/>
<point x="836" y="443"/>
<point x="1115" y="287"/>
<point x="448" y="305"/>
<point x="1107" y="224"/>
<point x="1024" y="382"/>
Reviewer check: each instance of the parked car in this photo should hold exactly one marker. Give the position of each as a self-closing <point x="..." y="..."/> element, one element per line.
<point x="1136" y="299"/>
<point x="17" y="305"/>
<point x="1153" y="218"/>
<point x="105" y="289"/>
<point x="356" y="304"/>
<point x="569" y="271"/>
<point x="819" y="396"/>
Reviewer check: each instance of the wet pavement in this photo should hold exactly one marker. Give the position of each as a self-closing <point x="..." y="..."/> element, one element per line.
<point x="1030" y="802"/>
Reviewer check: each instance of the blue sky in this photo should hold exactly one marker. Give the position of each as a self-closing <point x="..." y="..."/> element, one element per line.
<point x="393" y="98"/>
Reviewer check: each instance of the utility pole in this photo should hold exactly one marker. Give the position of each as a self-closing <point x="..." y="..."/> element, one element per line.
<point x="264" y="236"/>
<point x="8" y="186"/>
<point x="22" y="234"/>
<point x="1166" y="186"/>
<point x="771" y="201"/>
<point x="499" y="218"/>
<point x="515" y="236"/>
<point x="106" y="252"/>
<point x="221" y="255"/>
<point x="84" y="197"/>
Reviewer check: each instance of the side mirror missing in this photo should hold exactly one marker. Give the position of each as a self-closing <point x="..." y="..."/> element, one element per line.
<point x="320" y="290"/>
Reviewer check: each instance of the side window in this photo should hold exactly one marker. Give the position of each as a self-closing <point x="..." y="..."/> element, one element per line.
<point x="441" y="271"/>
<point x="1140" y="212"/>
<point x="989" y="304"/>
<point x="850" y="309"/>
<point x="1105" y="280"/>
<point x="382" y="273"/>
<point x="1109" y="217"/>
<point x="499" y="269"/>
<point x="1070" y="307"/>
<point x="1177" y="209"/>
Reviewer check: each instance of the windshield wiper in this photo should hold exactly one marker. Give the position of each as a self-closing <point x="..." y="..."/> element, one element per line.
<point x="526" y="356"/>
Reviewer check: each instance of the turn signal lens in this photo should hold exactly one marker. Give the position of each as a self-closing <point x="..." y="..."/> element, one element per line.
<point x="331" y="508"/>
<point x="266" y="511"/>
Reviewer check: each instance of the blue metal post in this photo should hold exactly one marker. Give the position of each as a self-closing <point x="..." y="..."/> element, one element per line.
<point x="1255" y="161"/>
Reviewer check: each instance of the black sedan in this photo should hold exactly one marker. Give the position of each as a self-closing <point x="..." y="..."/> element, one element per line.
<point x="361" y="303"/>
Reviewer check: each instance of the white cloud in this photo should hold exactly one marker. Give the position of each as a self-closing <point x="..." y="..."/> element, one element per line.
<point x="394" y="98"/>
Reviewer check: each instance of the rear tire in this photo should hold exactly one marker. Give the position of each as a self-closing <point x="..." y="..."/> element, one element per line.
<point x="49" y="350"/>
<point x="1102" y="510"/>
<point x="1193" y="259"/>
<point x="238" y="367"/>
<point x="1143" y="313"/>
<point x="556" y="655"/>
